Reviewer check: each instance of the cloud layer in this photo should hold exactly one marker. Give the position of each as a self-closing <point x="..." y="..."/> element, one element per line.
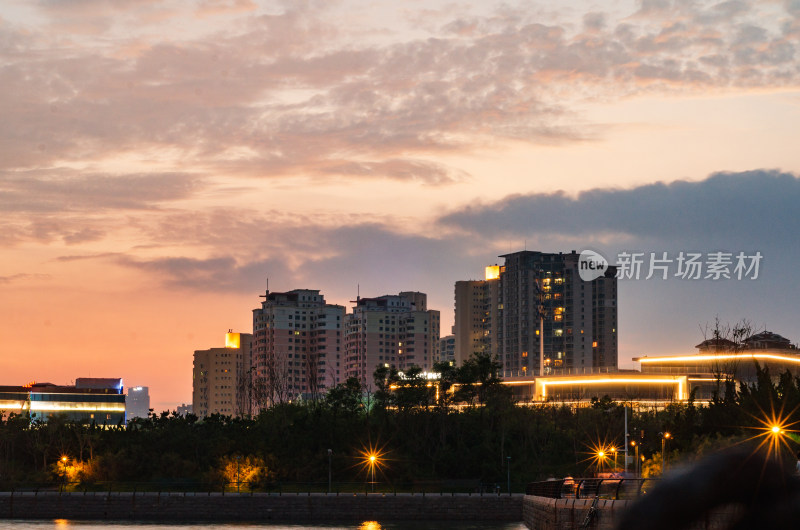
<point x="274" y="93"/>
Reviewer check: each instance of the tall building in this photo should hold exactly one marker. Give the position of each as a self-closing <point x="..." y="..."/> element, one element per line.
<point x="219" y="378"/>
<point x="298" y="346"/>
<point x="137" y="404"/>
<point x="393" y="331"/>
<point x="538" y="316"/>
<point x="476" y="318"/>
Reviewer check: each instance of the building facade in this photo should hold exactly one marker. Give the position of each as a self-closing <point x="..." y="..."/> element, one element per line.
<point x="138" y="402"/>
<point x="476" y="316"/>
<point x="220" y="383"/>
<point x="392" y="330"/>
<point x="447" y="350"/>
<point x="538" y="316"/>
<point x="90" y="400"/>
<point x="298" y="346"/>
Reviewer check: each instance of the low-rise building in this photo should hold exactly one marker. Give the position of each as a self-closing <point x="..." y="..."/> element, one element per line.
<point x="89" y="400"/>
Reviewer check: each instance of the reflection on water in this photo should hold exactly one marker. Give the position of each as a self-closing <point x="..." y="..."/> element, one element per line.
<point x="66" y="524"/>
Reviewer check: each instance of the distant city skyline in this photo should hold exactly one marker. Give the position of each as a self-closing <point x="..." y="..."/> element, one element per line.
<point x="159" y="161"/>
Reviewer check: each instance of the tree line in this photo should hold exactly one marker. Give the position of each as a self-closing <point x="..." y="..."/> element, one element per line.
<point x="464" y="428"/>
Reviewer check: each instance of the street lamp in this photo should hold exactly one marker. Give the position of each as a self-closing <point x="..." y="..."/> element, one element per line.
<point x="330" y="452"/>
<point x="237" y="473"/>
<point x="508" y="460"/>
<point x="664" y="437"/>
<point x="64" y="478"/>
<point x="614" y="450"/>
<point x="601" y="455"/>
<point x="372" y="459"/>
<point x="636" y="464"/>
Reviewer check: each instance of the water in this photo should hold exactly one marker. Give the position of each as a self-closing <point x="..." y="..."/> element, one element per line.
<point x="65" y="524"/>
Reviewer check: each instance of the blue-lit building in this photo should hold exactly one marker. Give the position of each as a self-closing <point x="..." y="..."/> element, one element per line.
<point x="98" y="400"/>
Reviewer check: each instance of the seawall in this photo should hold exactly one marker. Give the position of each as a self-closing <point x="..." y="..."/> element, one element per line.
<point x="259" y="507"/>
<point x="544" y="513"/>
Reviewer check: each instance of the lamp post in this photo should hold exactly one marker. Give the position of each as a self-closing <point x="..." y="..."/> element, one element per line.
<point x="614" y="450"/>
<point x="508" y="462"/>
<point x="636" y="462"/>
<point x="64" y="477"/>
<point x="664" y="437"/>
<point x="330" y="452"/>
<point x="372" y="468"/>
<point x="237" y="473"/>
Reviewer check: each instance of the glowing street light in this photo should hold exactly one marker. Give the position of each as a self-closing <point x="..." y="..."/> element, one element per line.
<point x="372" y="461"/>
<point x="64" y="462"/>
<point x="601" y="456"/>
<point x="371" y="458"/>
<point x="775" y="432"/>
<point x="614" y="450"/>
<point x="664" y="437"/>
<point x="636" y="450"/>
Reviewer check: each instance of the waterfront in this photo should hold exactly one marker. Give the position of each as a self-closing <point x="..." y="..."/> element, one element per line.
<point x="66" y="524"/>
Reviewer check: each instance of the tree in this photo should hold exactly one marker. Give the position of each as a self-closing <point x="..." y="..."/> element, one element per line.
<point x="345" y="397"/>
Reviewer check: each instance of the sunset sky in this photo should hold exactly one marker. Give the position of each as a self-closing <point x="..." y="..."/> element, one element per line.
<point x="160" y="160"/>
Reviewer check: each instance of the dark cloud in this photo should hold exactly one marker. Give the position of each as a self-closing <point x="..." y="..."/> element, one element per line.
<point x="749" y="206"/>
<point x="335" y="259"/>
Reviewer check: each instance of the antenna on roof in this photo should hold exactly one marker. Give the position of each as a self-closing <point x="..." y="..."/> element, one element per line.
<point x="358" y="292"/>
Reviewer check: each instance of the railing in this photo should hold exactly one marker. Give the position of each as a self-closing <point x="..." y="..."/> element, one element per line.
<point x="566" y="371"/>
<point x="444" y="487"/>
<point x="581" y="488"/>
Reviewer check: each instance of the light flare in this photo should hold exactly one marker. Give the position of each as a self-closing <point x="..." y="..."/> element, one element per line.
<point x="775" y="431"/>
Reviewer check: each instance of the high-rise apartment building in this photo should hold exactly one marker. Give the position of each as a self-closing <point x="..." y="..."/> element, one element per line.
<point x="137" y="403"/>
<point x="476" y="319"/>
<point x="538" y="316"/>
<point x="298" y="346"/>
<point x="220" y="382"/>
<point x="391" y="330"/>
